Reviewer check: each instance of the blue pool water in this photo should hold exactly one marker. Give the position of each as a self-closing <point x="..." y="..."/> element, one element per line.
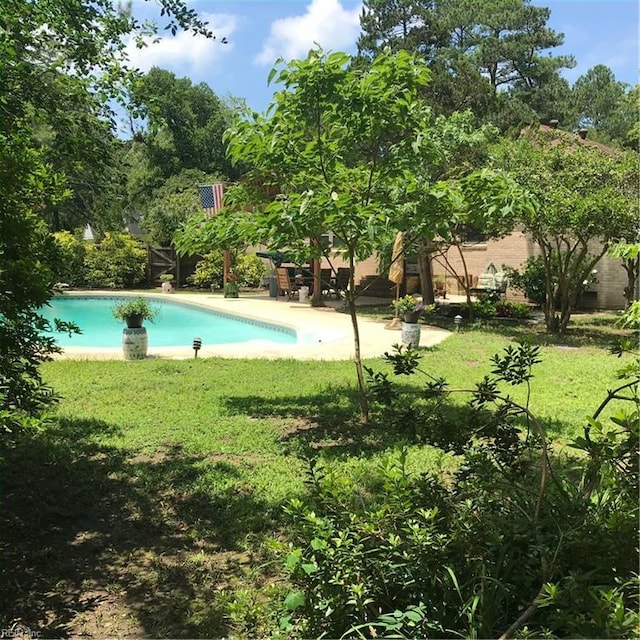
<point x="175" y="325"/>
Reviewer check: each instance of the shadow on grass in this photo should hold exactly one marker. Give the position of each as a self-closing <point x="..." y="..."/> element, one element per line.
<point x="585" y="330"/>
<point x="328" y="420"/>
<point x="91" y="533"/>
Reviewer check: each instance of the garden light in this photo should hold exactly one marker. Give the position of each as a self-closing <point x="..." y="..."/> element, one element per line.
<point x="457" y="321"/>
<point x="197" y="343"/>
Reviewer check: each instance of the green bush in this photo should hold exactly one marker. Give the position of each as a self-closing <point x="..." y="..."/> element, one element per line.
<point x="249" y="269"/>
<point x="209" y="271"/>
<point x="509" y="309"/>
<point x="514" y="529"/>
<point x="484" y="308"/>
<point x="530" y="279"/>
<point x="118" y="262"/>
<point x="69" y="266"/>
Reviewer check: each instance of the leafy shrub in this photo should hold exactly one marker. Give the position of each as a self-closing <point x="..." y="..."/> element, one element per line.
<point x="631" y="317"/>
<point x="134" y="307"/>
<point x="118" y="262"/>
<point x="209" y="271"/>
<point x="69" y="266"/>
<point x="359" y="551"/>
<point x="249" y="270"/>
<point x="530" y="279"/>
<point x="515" y="537"/>
<point x="509" y="309"/>
<point x="484" y="308"/>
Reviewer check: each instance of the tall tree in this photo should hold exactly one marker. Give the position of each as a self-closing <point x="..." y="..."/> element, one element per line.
<point x="474" y="49"/>
<point x="597" y="94"/>
<point x="458" y="195"/>
<point x="179" y="133"/>
<point x="583" y="200"/>
<point x="75" y="135"/>
<point x="607" y="107"/>
<point x="184" y="124"/>
<point x="338" y="145"/>
<point x="88" y="40"/>
<point x="400" y="24"/>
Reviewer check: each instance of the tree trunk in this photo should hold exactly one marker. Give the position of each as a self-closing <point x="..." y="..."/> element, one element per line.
<point x="632" y="267"/>
<point x="316" y="296"/>
<point x="351" y="305"/>
<point x="426" y="276"/>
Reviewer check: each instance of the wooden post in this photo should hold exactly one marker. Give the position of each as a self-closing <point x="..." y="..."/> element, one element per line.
<point x="226" y="266"/>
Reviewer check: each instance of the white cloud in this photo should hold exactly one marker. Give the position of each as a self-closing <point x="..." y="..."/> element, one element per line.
<point x="325" y="22"/>
<point x="185" y="52"/>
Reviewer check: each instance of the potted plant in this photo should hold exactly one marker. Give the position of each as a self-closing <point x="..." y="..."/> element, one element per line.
<point x="167" y="282"/>
<point x="134" y="311"/>
<point x="410" y="308"/>
<point x="231" y="289"/>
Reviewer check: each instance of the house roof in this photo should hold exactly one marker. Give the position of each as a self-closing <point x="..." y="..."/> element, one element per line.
<point x="552" y="136"/>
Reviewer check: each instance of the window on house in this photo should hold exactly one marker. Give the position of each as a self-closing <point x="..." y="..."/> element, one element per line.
<point x="470" y="235"/>
<point x="333" y="240"/>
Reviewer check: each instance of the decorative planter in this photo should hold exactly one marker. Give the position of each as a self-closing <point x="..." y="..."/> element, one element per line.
<point x="412" y="317"/>
<point x="167" y="287"/>
<point x="231" y="290"/>
<point x="410" y="334"/>
<point x="134" y="343"/>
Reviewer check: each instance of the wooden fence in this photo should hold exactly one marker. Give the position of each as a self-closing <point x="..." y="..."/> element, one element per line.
<point x="161" y="260"/>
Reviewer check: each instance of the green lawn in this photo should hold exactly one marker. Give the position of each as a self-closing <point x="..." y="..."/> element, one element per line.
<point x="148" y="500"/>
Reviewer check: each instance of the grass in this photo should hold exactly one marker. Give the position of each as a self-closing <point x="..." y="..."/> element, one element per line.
<point x="148" y="502"/>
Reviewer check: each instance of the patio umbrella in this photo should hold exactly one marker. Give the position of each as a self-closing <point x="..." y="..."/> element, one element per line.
<point x="278" y="257"/>
<point x="396" y="273"/>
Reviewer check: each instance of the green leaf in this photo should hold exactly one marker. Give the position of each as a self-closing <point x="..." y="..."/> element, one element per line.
<point x="413" y="615"/>
<point x="294" y="600"/>
<point x="293" y="559"/>
<point x="317" y="544"/>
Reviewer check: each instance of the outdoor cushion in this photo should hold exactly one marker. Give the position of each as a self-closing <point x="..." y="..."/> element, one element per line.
<point x="501" y="280"/>
<point x="486" y="281"/>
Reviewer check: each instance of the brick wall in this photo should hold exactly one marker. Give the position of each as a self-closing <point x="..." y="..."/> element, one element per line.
<point x="512" y="251"/>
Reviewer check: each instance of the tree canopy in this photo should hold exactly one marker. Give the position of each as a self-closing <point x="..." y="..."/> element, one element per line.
<point x="580" y="193"/>
<point x="79" y="59"/>
<point x="480" y="52"/>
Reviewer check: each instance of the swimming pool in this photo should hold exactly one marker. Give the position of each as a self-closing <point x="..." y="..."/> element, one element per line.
<point x="175" y="325"/>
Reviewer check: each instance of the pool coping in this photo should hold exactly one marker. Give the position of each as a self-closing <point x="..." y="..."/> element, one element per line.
<point x="323" y="332"/>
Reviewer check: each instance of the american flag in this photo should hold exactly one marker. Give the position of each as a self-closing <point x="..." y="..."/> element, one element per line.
<point x="211" y="197"/>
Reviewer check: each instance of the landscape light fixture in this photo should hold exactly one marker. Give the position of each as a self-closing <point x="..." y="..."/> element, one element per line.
<point x="197" y="343"/>
<point x="457" y="321"/>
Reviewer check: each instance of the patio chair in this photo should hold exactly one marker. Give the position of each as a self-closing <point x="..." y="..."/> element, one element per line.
<point x="327" y="283"/>
<point x="342" y="280"/>
<point x="285" y="285"/>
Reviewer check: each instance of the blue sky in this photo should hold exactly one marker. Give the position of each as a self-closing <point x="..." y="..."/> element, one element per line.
<point x="259" y="31"/>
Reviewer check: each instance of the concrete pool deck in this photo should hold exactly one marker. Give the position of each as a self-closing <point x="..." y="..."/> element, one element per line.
<point x="324" y="333"/>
